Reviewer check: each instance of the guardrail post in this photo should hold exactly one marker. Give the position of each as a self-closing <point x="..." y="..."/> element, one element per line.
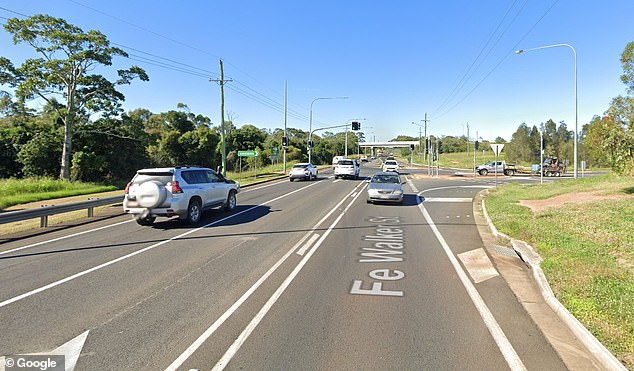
<point x="91" y="209"/>
<point x="43" y="221"/>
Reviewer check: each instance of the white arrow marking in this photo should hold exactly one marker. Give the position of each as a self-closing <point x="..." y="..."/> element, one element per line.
<point x="70" y="350"/>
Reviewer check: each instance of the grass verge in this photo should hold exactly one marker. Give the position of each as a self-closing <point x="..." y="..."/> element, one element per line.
<point x="588" y="251"/>
<point x="22" y="191"/>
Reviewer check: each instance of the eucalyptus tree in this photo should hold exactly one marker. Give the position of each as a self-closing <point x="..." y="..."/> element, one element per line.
<point x="68" y="58"/>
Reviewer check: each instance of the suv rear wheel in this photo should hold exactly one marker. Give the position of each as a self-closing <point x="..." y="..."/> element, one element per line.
<point x="145" y="220"/>
<point x="194" y="211"/>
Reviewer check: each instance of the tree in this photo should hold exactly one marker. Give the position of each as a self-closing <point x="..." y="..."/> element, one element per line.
<point x="68" y="55"/>
<point x="611" y="138"/>
<point x="627" y="61"/>
<point x="39" y="155"/>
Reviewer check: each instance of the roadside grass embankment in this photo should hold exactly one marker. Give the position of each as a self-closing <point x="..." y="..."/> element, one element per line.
<point x="36" y="192"/>
<point x="586" y="240"/>
<point x="23" y="191"/>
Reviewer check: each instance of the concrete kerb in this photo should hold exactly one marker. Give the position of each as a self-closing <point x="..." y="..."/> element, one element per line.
<point x="532" y="259"/>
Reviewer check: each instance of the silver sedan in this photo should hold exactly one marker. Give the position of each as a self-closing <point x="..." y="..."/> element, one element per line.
<point x="385" y="187"/>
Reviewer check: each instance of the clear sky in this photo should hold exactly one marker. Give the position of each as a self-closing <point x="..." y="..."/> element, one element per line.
<point x="453" y="60"/>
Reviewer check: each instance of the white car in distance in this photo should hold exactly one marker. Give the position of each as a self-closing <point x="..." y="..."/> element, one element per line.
<point x="390" y="166"/>
<point x="303" y="170"/>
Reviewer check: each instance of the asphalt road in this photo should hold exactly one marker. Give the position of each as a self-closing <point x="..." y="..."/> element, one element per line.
<point x="301" y="276"/>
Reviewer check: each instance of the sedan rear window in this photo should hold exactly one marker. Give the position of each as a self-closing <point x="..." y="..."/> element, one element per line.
<point x="386" y="179"/>
<point x="345" y="162"/>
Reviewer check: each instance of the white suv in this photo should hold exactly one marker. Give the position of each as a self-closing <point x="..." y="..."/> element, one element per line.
<point x="390" y="165"/>
<point x="347" y="168"/>
<point x="177" y="191"/>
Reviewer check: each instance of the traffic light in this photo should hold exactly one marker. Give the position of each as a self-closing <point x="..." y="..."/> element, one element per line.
<point x="477" y="145"/>
<point x="356" y="125"/>
<point x="285" y="141"/>
<point x="311" y="144"/>
<point x="439" y="146"/>
<point x="411" y="147"/>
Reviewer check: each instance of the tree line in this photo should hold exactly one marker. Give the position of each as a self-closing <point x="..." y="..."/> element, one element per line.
<point x="61" y="139"/>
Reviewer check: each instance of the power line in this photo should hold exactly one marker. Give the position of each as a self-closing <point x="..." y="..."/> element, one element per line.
<point x="137" y="26"/>
<point x="13" y="11"/>
<point x="470" y="71"/>
<point x="506" y="55"/>
<point x="170" y="64"/>
<point x="207" y="72"/>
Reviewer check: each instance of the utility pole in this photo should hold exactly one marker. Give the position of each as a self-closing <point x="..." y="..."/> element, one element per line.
<point x="222" y="117"/>
<point x="426" y="147"/>
<point x="474" y="152"/>
<point x="285" y="117"/>
<point x="467" y="139"/>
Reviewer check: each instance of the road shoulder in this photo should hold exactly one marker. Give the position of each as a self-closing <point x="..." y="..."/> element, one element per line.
<point x="520" y="279"/>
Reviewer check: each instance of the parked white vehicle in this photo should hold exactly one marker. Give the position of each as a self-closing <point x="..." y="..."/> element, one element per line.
<point x="347" y="168"/>
<point x="185" y="192"/>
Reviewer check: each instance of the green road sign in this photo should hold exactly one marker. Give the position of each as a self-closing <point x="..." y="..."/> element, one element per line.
<point x="275" y="151"/>
<point x="247" y="153"/>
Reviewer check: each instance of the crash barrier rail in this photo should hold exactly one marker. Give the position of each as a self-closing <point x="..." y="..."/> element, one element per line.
<point x="45" y="211"/>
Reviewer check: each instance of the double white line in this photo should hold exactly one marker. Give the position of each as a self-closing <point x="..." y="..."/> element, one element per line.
<point x="233" y="349"/>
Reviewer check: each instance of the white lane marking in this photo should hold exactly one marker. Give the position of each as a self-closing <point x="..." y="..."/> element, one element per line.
<point x="307" y="245"/>
<point x="478" y="265"/>
<point x="503" y="343"/>
<point x="447" y="199"/>
<point x="90" y="270"/>
<point x="233" y="349"/>
<point x="412" y="186"/>
<point x="214" y="326"/>
<point x="64" y="237"/>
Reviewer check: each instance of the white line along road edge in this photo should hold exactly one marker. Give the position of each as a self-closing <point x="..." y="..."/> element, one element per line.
<point x="511" y="357"/>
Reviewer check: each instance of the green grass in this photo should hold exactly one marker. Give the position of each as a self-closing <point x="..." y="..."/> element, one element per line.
<point x="260" y="174"/>
<point x="459" y="160"/>
<point x="588" y="251"/>
<point x="21" y="191"/>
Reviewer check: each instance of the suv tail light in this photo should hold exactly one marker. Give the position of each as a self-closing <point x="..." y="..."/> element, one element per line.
<point x="176" y="188"/>
<point x="127" y="188"/>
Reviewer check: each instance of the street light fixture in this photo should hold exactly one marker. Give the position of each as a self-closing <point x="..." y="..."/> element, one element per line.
<point x="310" y="124"/>
<point x="574" y="52"/>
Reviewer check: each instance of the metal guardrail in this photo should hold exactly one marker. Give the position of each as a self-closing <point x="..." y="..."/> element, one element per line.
<point x="44" y="212"/>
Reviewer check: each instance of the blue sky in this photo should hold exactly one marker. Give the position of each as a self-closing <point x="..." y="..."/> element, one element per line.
<point x="395" y="60"/>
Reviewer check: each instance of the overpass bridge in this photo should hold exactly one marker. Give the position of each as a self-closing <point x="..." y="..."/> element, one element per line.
<point x="398" y="144"/>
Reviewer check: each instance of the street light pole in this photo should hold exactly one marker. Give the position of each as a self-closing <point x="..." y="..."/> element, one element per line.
<point x="574" y="52"/>
<point x="310" y="124"/>
<point x="346" y="147"/>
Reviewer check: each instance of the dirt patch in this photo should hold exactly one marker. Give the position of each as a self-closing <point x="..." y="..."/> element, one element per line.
<point x="569" y="198"/>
